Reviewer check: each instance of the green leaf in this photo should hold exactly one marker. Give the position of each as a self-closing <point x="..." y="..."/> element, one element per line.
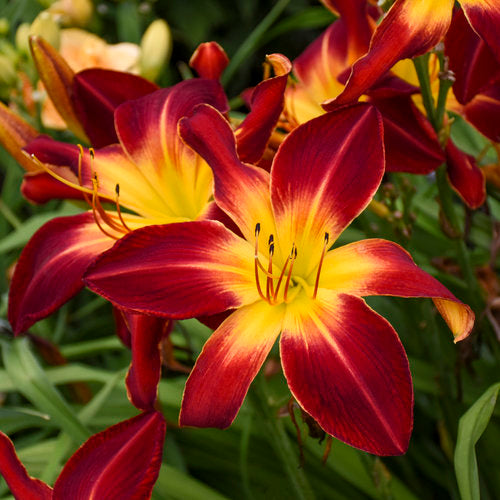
<point x="30" y="380"/>
<point x="470" y="428"/>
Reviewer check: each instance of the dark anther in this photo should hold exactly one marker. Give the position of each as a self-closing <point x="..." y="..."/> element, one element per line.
<point x="327" y="237"/>
<point x="117" y="190"/>
<point x="271" y="248"/>
<point x="271" y="239"/>
<point x="257" y="229"/>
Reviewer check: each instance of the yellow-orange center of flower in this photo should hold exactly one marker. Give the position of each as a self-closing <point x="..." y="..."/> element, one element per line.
<point x="292" y="283"/>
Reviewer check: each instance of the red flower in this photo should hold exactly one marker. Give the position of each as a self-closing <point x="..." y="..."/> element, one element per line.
<point x="344" y="363"/>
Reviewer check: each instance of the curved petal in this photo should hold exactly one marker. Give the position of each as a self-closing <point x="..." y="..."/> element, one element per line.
<point x="15" y="133"/>
<point x="359" y="25"/>
<point x="209" y="60"/>
<point x="230" y="360"/>
<point x="266" y="105"/>
<point x="146" y="333"/>
<point x="57" y="78"/>
<point x="21" y="485"/>
<point x="241" y="190"/>
<point x="411" y="145"/>
<point x="119" y="463"/>
<point x="469" y="57"/>
<point x="465" y="176"/>
<point x="97" y="93"/>
<point x="50" y="269"/>
<point x="147" y="129"/>
<point x="484" y="17"/>
<point x="483" y="111"/>
<point x="322" y="178"/>
<point x="346" y="367"/>
<point x="380" y="267"/>
<point x="177" y="270"/>
<point x="410" y="28"/>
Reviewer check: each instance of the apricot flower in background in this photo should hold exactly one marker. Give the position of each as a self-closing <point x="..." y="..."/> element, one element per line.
<point x="343" y="362"/>
<point x="120" y="462"/>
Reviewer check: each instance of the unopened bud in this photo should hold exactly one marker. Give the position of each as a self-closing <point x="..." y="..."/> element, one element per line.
<point x="72" y="12"/>
<point x="156" y="46"/>
<point x="4" y="26"/>
<point x="8" y="75"/>
<point x="47" y="28"/>
<point x="22" y="38"/>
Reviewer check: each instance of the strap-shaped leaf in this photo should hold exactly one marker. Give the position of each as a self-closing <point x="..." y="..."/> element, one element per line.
<point x="470" y="428"/>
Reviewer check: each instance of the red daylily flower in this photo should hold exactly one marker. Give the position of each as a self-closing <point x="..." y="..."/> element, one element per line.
<point x="121" y="462"/>
<point x="411" y="143"/>
<point x="411" y="28"/>
<point x="344" y="363"/>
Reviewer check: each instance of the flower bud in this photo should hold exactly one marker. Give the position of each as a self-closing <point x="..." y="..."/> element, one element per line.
<point x="72" y="12"/>
<point x="156" y="46"/>
<point x="4" y="26"/>
<point x="8" y="74"/>
<point x="22" y="38"/>
<point x="47" y="28"/>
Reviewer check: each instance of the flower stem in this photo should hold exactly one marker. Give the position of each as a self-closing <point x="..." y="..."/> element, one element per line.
<point x="249" y="45"/>
<point x="280" y="441"/>
<point x="436" y="117"/>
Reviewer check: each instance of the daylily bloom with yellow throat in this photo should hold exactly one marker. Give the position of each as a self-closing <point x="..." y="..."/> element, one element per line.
<point x="411" y="144"/>
<point x="344" y="363"/>
<point x="411" y="28"/>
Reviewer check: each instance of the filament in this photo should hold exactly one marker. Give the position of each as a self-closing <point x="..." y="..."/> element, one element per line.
<point x="269" y="283"/>
<point x="293" y="256"/>
<point x="118" y="208"/>
<point x="323" y="252"/>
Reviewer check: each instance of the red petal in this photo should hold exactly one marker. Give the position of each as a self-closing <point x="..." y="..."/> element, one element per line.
<point x="411" y="145"/>
<point x="50" y="269"/>
<point x="354" y="13"/>
<point x="484" y="112"/>
<point x="57" y="78"/>
<point x="147" y="127"/>
<point x="484" y="17"/>
<point x="266" y="107"/>
<point x="346" y="367"/>
<point x="119" y="463"/>
<point x="15" y="133"/>
<point x="380" y="267"/>
<point x="97" y="93"/>
<point x="410" y="28"/>
<point x="41" y="188"/>
<point x="177" y="270"/>
<point x="230" y="360"/>
<point x="21" y="485"/>
<point x="241" y="190"/>
<point x="465" y="176"/>
<point x="322" y="178"/>
<point x="209" y="60"/>
<point x="470" y="59"/>
<point x="145" y="369"/>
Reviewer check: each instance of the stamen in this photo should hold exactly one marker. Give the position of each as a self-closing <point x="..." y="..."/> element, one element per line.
<point x="323" y="252"/>
<point x="46" y="169"/>
<point x="98" y="209"/>
<point x="118" y="209"/>
<point x="256" y="261"/>
<point x="293" y="256"/>
<point x="269" y="284"/>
